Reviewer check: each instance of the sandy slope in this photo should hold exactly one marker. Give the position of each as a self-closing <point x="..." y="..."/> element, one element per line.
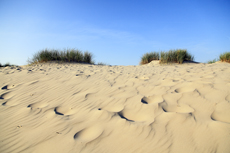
<point x="85" y="108"/>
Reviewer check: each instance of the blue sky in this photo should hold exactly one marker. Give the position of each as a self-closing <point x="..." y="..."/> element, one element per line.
<point x="117" y="32"/>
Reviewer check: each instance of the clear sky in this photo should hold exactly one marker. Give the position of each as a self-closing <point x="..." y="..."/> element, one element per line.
<point x="117" y="32"/>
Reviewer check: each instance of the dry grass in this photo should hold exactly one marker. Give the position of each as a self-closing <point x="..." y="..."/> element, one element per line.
<point x="69" y="55"/>
<point x="212" y="61"/>
<point x="172" y="56"/>
<point x="148" y="57"/>
<point x="176" y="56"/>
<point x="225" y="57"/>
<point x="5" y="65"/>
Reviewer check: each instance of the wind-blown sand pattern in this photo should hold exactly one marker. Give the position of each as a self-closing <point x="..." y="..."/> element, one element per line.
<point x="65" y="108"/>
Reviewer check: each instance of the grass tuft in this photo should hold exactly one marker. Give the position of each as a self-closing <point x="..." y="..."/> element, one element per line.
<point x="101" y="63"/>
<point x="172" y="56"/>
<point x="212" y="61"/>
<point x="87" y="57"/>
<point x="225" y="57"/>
<point x="148" y="57"/>
<point x="176" y="56"/>
<point x="67" y="55"/>
<point x="7" y="64"/>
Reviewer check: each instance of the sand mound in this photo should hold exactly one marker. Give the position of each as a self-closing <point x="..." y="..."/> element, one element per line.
<point x="90" y="108"/>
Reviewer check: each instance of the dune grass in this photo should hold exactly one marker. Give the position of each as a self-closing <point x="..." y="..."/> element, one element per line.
<point x="5" y="65"/>
<point x="172" y="56"/>
<point x="148" y="57"/>
<point x="176" y="56"/>
<point x="68" y="55"/>
<point x="212" y="61"/>
<point x="102" y="63"/>
<point x="225" y="57"/>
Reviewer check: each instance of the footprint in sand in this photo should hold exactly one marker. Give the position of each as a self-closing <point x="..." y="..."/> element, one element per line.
<point x="142" y="78"/>
<point x="180" y="108"/>
<point x="90" y="95"/>
<point x="142" y="115"/>
<point x="136" y="116"/>
<point x="37" y="105"/>
<point x="6" y="95"/>
<point x="88" y="134"/>
<point x="184" y="89"/>
<point x="152" y="99"/>
<point x="8" y="101"/>
<point x="64" y="110"/>
<point x="78" y="75"/>
<point x="121" y="114"/>
<point x="8" y="87"/>
<point x="221" y="112"/>
<point x="83" y="76"/>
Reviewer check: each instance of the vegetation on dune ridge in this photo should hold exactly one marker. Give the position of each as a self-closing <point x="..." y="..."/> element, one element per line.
<point x="7" y="64"/>
<point x="172" y="56"/>
<point x="225" y="57"/>
<point x="68" y="55"/>
<point x="148" y="57"/>
<point x="102" y="63"/>
<point x="176" y="56"/>
<point x="212" y="61"/>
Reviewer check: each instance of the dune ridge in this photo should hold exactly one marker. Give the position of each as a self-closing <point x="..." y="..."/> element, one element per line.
<point x="90" y="108"/>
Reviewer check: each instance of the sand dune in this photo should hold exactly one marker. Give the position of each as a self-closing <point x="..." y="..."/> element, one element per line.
<point x="65" y="108"/>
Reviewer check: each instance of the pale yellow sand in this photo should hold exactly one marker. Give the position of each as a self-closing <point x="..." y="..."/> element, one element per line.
<point x="71" y="108"/>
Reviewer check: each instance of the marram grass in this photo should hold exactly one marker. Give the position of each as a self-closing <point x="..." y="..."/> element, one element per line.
<point x="7" y="64"/>
<point x="102" y="63"/>
<point x="172" y="56"/>
<point x="212" y="61"/>
<point x="225" y="57"/>
<point x="148" y="57"/>
<point x="176" y="56"/>
<point x="68" y="55"/>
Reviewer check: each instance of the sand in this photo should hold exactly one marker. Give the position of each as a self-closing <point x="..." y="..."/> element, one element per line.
<point x="71" y="108"/>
